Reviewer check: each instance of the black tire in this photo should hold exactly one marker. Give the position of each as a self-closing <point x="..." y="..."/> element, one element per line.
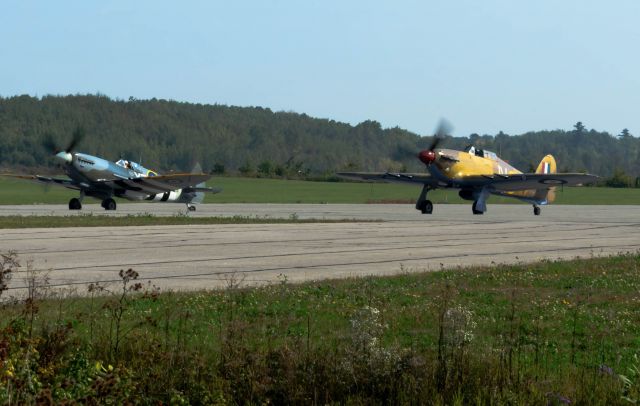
<point x="109" y="204"/>
<point x="191" y="208"/>
<point x="74" y="204"/>
<point x="537" y="210"/>
<point x="427" y="207"/>
<point x="473" y="208"/>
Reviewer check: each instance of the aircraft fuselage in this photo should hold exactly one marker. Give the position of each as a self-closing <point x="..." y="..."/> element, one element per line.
<point x="457" y="164"/>
<point x="91" y="170"/>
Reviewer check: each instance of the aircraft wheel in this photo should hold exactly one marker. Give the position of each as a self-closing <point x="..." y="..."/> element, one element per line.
<point x="473" y="208"/>
<point x="109" y="204"/>
<point x="74" y="204"/>
<point x="537" y="210"/>
<point x="191" y="208"/>
<point x="427" y="207"/>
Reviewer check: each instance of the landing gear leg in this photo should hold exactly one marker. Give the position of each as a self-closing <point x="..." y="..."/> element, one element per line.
<point x="480" y="204"/>
<point x="474" y="208"/>
<point x="536" y="210"/>
<point x="109" y="204"/>
<point x="425" y="206"/>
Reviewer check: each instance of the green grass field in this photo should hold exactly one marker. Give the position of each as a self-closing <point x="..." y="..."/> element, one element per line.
<point x="254" y="190"/>
<point x="546" y="333"/>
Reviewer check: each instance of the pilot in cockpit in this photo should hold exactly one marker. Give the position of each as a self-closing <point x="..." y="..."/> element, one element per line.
<point x="474" y="151"/>
<point x="124" y="163"/>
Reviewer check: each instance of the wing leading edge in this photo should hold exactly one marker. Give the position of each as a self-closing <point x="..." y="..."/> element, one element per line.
<point x="413" y="178"/>
<point x="68" y="183"/>
<point x="145" y="185"/>
<point x="522" y="181"/>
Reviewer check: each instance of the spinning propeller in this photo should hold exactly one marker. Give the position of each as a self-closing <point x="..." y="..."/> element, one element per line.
<point x="64" y="153"/>
<point x="428" y="156"/>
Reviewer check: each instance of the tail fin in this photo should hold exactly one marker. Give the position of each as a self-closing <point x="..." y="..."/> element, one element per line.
<point x="199" y="195"/>
<point x="198" y="169"/>
<point x="546" y="166"/>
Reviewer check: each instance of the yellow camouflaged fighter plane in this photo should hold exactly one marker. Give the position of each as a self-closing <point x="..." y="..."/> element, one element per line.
<point x="478" y="174"/>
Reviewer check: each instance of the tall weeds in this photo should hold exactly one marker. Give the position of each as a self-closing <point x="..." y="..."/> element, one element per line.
<point x="413" y="339"/>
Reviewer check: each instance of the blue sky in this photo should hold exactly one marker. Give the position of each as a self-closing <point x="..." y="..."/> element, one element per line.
<point x="484" y="65"/>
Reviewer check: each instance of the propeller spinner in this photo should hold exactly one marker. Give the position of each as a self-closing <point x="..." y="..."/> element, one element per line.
<point x="64" y="154"/>
<point x="428" y="156"/>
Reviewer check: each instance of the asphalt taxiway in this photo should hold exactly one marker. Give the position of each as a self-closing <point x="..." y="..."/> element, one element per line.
<point x="403" y="240"/>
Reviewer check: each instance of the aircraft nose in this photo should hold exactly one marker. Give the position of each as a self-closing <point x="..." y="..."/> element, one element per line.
<point x="65" y="156"/>
<point x="427" y="157"/>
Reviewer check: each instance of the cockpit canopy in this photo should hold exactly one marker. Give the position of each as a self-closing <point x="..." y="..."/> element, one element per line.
<point x="482" y="153"/>
<point x="136" y="167"/>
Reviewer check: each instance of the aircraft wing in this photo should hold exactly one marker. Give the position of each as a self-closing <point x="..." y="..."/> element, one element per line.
<point x="419" y="178"/>
<point x="68" y="183"/>
<point x="145" y="185"/>
<point x="158" y="184"/>
<point x="527" y="181"/>
<point x="524" y="181"/>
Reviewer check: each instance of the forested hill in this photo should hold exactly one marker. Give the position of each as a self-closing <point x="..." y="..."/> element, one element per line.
<point x="169" y="135"/>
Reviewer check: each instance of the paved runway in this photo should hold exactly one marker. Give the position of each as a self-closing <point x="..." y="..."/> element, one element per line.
<point x="387" y="212"/>
<point x="209" y="256"/>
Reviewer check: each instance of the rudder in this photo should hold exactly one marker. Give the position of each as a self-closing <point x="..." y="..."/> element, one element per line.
<point x="199" y="197"/>
<point x="546" y="166"/>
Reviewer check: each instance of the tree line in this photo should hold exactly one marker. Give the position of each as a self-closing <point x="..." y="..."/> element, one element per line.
<point x="172" y="136"/>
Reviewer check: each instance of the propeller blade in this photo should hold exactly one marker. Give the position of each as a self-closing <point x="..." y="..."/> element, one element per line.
<point x="442" y="131"/>
<point x="428" y="156"/>
<point x="65" y="154"/>
<point x="78" y="135"/>
<point x="49" y="144"/>
<point x="444" y="128"/>
<point x="434" y="144"/>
